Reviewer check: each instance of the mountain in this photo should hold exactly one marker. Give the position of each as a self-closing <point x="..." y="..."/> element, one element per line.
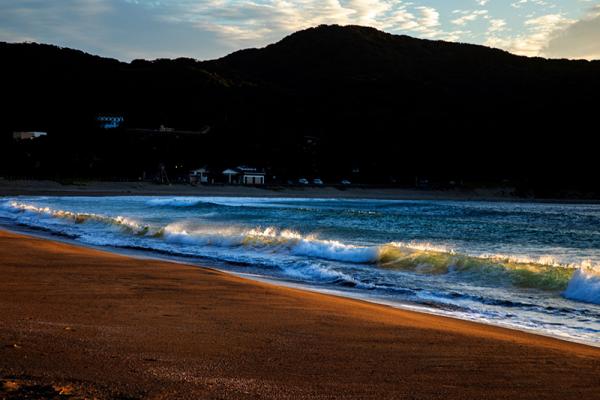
<point x="324" y="101"/>
<point x="359" y="53"/>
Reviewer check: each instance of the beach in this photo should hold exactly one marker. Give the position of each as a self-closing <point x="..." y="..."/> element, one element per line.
<point x="88" y="323"/>
<point x="107" y="188"/>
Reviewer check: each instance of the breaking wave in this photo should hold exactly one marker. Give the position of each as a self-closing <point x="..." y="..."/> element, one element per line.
<point x="584" y="286"/>
<point x="576" y="282"/>
<point x="489" y="269"/>
<point x="126" y="223"/>
<point x="274" y="240"/>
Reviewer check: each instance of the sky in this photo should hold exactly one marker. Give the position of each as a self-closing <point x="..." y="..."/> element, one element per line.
<point x="207" y="29"/>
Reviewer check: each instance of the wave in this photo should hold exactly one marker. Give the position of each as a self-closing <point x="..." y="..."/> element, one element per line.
<point x="420" y="258"/>
<point x="181" y="202"/>
<point x="262" y="202"/>
<point x="272" y="239"/>
<point x="576" y="282"/>
<point x="492" y="269"/>
<point x="584" y="286"/>
<point x="126" y="223"/>
<point x="192" y="201"/>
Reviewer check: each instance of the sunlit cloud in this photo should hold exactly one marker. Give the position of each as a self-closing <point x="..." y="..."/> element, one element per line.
<point x="538" y="32"/>
<point x="578" y="40"/>
<point x="204" y="29"/>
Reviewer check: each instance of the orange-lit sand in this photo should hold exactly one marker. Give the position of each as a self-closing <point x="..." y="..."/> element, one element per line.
<point x="87" y="323"/>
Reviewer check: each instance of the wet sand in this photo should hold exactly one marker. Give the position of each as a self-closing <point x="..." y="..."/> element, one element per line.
<point x="81" y="323"/>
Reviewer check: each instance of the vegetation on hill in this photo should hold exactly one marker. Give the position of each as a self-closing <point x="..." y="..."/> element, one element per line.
<point x="334" y="102"/>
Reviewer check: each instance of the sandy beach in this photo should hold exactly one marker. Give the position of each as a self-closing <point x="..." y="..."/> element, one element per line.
<point x="93" y="188"/>
<point x="107" y="188"/>
<point x="84" y="323"/>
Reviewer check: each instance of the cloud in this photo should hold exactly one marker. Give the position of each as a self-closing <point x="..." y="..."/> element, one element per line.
<point x="245" y="23"/>
<point x="127" y="29"/>
<point x="496" y="25"/>
<point x="578" y="40"/>
<point x="112" y="28"/>
<point x="60" y="21"/>
<point x="469" y="17"/>
<point x="538" y="32"/>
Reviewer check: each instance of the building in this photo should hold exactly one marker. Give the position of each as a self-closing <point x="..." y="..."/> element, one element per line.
<point x="110" y="122"/>
<point x="28" y="135"/>
<point x="163" y="128"/>
<point x="251" y="176"/>
<point x="167" y="130"/>
<point x="244" y="175"/>
<point x="231" y="175"/>
<point x="199" y="175"/>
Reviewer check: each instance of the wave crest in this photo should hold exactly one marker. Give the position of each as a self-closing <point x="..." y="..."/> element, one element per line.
<point x="79" y="218"/>
<point x="273" y="239"/>
<point x="496" y="269"/>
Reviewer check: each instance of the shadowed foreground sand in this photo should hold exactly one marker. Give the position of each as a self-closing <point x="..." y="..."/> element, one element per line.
<point x="78" y="323"/>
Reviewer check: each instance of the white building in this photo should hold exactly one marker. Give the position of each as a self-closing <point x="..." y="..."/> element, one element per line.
<point x="245" y="176"/>
<point x="199" y="175"/>
<point x="28" y="135"/>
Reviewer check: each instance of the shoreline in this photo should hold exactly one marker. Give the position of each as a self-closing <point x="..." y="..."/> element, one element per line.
<point x="103" y="323"/>
<point x="412" y="307"/>
<point x="10" y="188"/>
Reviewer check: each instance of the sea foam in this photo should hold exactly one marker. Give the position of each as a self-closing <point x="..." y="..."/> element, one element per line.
<point x="274" y="240"/>
<point x="584" y="286"/>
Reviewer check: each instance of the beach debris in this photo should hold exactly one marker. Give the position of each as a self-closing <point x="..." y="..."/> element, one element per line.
<point x="25" y="389"/>
<point x="10" y="386"/>
<point x="63" y="390"/>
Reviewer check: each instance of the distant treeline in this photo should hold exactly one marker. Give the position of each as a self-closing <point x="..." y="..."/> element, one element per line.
<point x="333" y="102"/>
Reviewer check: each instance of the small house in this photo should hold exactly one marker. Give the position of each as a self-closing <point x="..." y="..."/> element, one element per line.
<point x="244" y="175"/>
<point x="199" y="175"/>
<point x="251" y="176"/>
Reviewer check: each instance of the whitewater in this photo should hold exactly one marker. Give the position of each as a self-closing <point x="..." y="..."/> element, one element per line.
<point x="528" y="266"/>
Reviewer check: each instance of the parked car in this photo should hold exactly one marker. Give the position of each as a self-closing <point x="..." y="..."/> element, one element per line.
<point x="303" y="181"/>
<point x="345" y="182"/>
<point x="317" y="181"/>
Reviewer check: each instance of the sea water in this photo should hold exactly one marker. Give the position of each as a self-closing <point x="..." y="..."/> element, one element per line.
<point x="524" y="265"/>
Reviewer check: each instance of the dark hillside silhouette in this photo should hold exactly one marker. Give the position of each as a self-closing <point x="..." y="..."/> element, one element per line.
<point x="381" y="108"/>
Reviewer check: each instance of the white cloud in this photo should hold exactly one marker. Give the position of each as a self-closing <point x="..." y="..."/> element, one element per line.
<point x="538" y="33"/>
<point x="496" y="25"/>
<point x="578" y="40"/>
<point x="469" y="16"/>
<point x="247" y="22"/>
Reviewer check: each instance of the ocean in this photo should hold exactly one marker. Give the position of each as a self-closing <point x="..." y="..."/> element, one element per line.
<point x="528" y="266"/>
